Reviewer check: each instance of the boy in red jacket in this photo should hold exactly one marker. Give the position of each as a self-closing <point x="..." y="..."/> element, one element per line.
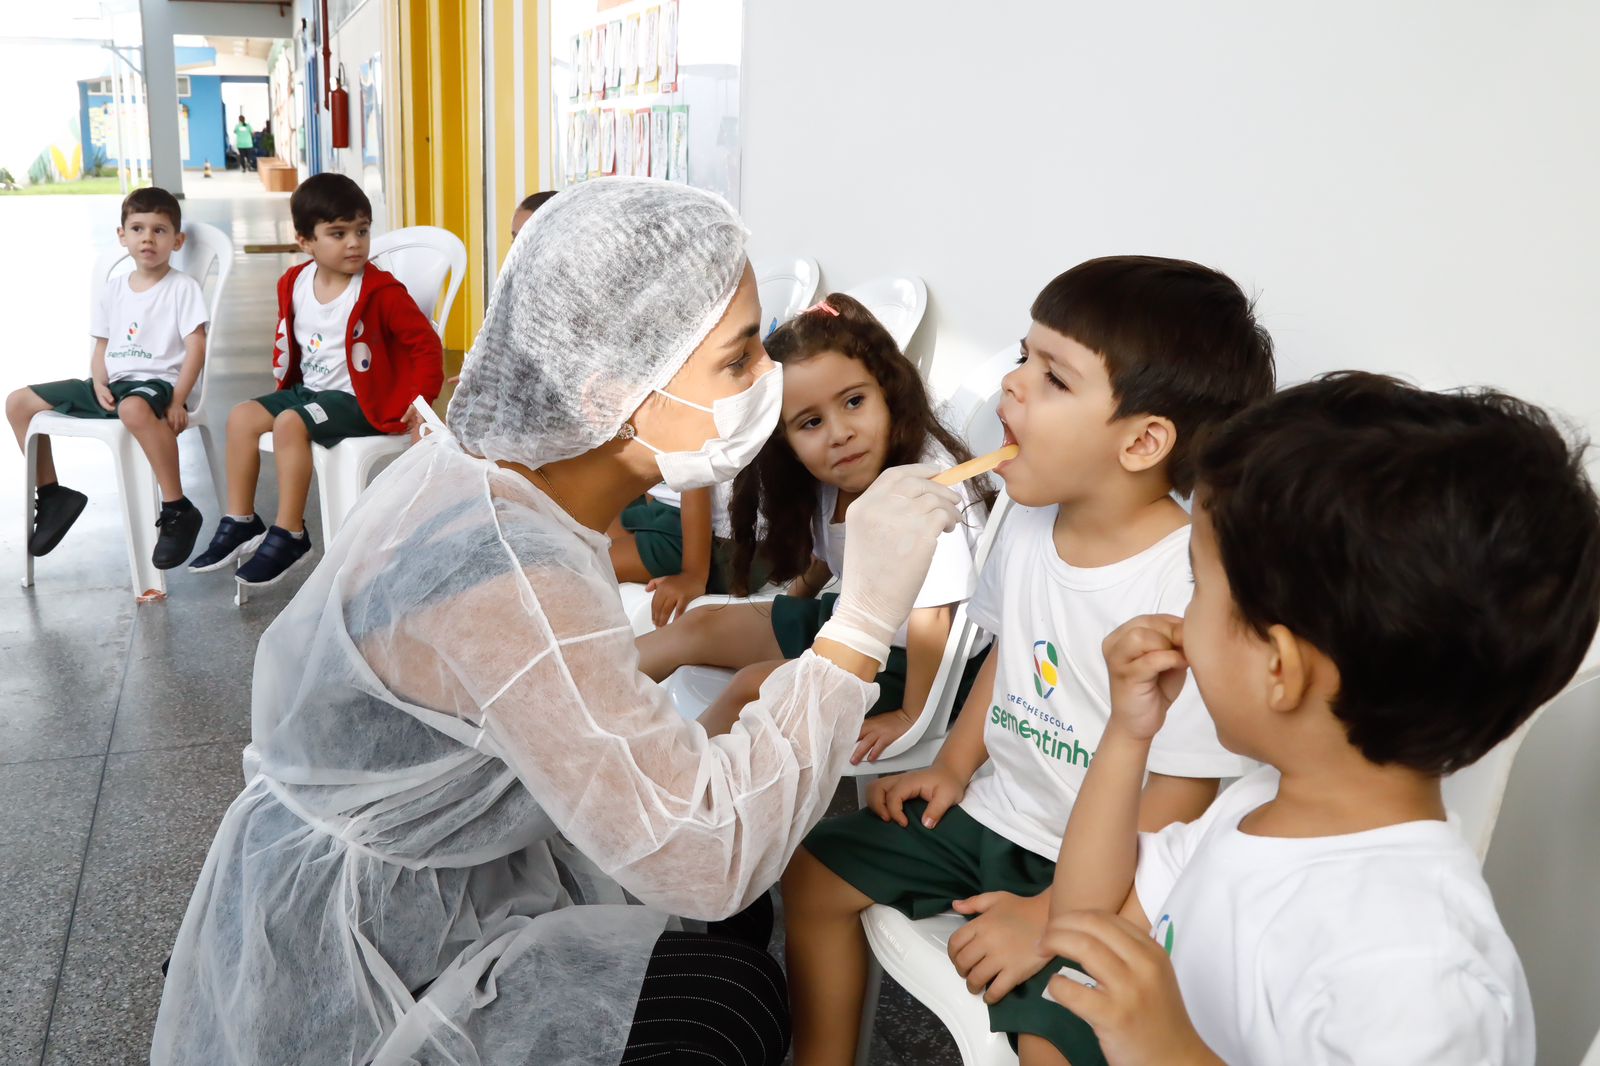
<point x="353" y="350"/>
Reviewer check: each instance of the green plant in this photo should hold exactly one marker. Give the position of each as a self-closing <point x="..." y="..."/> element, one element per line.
<point x="43" y="172"/>
<point x="7" y="182"/>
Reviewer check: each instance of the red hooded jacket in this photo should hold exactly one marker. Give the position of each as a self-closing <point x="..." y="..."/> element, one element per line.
<point x="391" y="347"/>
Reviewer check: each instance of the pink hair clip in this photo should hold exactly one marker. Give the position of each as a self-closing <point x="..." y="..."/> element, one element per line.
<point x="822" y="305"/>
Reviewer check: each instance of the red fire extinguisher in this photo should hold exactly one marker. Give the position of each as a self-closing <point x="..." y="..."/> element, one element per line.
<point x="339" y="102"/>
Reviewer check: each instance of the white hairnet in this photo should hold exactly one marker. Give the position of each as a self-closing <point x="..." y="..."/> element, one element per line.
<point x="455" y="770"/>
<point x="603" y="297"/>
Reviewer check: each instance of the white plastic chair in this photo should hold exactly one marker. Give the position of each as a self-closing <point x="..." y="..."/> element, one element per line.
<point x="899" y="303"/>
<point x="205" y="249"/>
<point x="786" y="287"/>
<point x="428" y="261"/>
<point x="916" y="953"/>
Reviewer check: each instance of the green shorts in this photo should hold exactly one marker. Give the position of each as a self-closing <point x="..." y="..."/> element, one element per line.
<point x="657" y="530"/>
<point x="75" y="396"/>
<point x="920" y="872"/>
<point x="796" y="622"/>
<point x="329" y="416"/>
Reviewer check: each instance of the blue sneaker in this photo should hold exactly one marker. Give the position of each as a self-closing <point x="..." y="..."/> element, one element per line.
<point x="232" y="539"/>
<point x="278" y="554"/>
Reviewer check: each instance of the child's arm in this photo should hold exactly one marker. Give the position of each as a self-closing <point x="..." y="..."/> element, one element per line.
<point x="813" y="581"/>
<point x="99" y="375"/>
<point x="413" y="338"/>
<point x="1147" y="668"/>
<point x="194" y="361"/>
<point x="927" y="632"/>
<point x="675" y="592"/>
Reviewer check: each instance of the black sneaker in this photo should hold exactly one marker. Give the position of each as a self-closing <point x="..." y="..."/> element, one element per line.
<point x="57" y="509"/>
<point x="232" y="539"/>
<point x="178" y="532"/>
<point x="278" y="554"/>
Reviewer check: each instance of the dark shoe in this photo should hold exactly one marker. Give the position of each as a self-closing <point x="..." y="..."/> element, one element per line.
<point x="278" y="554"/>
<point x="58" y="508"/>
<point x="178" y="532"/>
<point x="232" y="539"/>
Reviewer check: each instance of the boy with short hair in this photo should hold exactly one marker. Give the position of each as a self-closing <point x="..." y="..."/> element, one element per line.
<point x="525" y="210"/>
<point x="1128" y="359"/>
<point x="149" y="329"/>
<point x="1388" y="583"/>
<point x="353" y="350"/>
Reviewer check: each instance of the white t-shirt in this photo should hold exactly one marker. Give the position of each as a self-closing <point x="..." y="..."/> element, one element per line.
<point x="1052" y="695"/>
<point x="145" y="331"/>
<point x="319" y="329"/>
<point x="1377" y="947"/>
<point x="952" y="576"/>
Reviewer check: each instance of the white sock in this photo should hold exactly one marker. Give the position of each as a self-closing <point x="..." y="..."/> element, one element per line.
<point x="297" y="536"/>
<point x="245" y="519"/>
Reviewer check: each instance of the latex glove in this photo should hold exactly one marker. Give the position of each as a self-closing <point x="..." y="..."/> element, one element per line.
<point x="890" y="533"/>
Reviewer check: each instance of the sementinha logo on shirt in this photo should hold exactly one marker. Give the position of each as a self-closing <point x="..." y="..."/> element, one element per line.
<point x="1046" y="668"/>
<point x="314" y="345"/>
<point x="133" y="330"/>
<point x="1035" y="725"/>
<point x="1163" y="933"/>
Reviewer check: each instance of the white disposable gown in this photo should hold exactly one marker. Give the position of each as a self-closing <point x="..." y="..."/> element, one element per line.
<point x="455" y="765"/>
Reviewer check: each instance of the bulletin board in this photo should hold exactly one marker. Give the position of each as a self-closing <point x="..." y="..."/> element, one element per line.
<point x="648" y="88"/>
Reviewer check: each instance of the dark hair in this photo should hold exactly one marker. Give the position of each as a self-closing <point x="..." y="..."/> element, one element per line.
<point x="1179" y="340"/>
<point x="152" y="201"/>
<point x="327" y="198"/>
<point x="777" y="484"/>
<point x="534" y="201"/>
<point x="1443" y="549"/>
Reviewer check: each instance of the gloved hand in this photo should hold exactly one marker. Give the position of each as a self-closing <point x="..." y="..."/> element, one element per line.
<point x="890" y="533"/>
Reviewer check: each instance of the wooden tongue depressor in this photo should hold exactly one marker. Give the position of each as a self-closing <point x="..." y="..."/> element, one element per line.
<point x="974" y="467"/>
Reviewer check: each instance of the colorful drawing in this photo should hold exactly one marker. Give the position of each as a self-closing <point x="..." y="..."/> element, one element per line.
<point x="658" y="141"/>
<point x="597" y="61"/>
<point x="586" y="74"/>
<point x="576" y="56"/>
<point x="648" y="43"/>
<point x="678" y="139"/>
<point x="372" y="113"/>
<point x="614" y="58"/>
<point x="608" y="141"/>
<point x="591" y="138"/>
<point x="624" y="137"/>
<point x="641" y="143"/>
<point x="669" y="46"/>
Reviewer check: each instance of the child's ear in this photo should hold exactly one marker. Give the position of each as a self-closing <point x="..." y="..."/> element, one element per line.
<point x="177" y="244"/>
<point x="1153" y="440"/>
<point x="1291" y="667"/>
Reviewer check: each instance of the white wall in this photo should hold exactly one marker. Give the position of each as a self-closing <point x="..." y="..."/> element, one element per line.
<point x="355" y="41"/>
<point x="1409" y="187"/>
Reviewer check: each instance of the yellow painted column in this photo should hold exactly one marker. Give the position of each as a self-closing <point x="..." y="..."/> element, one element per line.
<point x="534" y="106"/>
<point x="503" y="85"/>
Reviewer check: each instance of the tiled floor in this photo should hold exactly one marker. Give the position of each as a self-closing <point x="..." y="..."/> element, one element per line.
<point x="121" y="725"/>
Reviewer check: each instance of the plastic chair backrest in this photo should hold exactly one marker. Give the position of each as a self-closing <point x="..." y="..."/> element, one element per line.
<point x="206" y="256"/>
<point x="969" y="410"/>
<point x="427" y="260"/>
<point x="899" y="303"/>
<point x="786" y="287"/>
<point x="934" y="721"/>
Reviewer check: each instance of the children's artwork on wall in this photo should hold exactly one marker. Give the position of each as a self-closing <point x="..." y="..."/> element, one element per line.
<point x="630" y="55"/>
<point x="586" y="73"/>
<point x="678" y="140"/>
<point x="658" y="142"/>
<point x="576" y="57"/>
<point x="669" y="46"/>
<point x="569" y="148"/>
<point x="597" y="61"/>
<point x="591" y="136"/>
<point x="648" y="43"/>
<point x="624" y="140"/>
<point x="372" y="114"/>
<point x="608" y="142"/>
<point x="614" y="59"/>
<point x="641" y="143"/>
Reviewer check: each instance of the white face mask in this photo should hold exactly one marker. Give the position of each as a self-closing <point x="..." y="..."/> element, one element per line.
<point x="744" y="422"/>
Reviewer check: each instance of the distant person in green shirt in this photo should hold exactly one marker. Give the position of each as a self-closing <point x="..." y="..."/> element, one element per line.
<point x="244" y="139"/>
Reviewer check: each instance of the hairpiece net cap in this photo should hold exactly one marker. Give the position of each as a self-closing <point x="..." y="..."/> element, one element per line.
<point x="603" y="297"/>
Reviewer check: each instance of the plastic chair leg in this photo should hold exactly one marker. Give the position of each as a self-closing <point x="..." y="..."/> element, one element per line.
<point x="30" y="479"/>
<point x="139" y="509"/>
<point x="217" y="461"/>
<point x="338" y="485"/>
<point x="869" y="1011"/>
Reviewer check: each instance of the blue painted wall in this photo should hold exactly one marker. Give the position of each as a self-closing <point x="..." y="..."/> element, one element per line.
<point x="209" y="127"/>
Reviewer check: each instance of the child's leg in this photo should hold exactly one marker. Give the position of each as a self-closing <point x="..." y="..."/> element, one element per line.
<point x="732" y="635"/>
<point x="1037" y="1051"/>
<point x="291" y="445"/>
<point x="21" y="406"/>
<point x="159" y="443"/>
<point x="625" y="558"/>
<point x="743" y="689"/>
<point x="246" y="422"/>
<point x="826" y="953"/>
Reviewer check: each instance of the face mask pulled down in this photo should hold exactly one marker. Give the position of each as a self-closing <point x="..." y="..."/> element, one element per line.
<point x="744" y="422"/>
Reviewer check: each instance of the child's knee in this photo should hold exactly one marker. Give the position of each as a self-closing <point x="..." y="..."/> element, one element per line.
<point x="23" y="401"/>
<point x="289" y="425"/>
<point x="247" y="417"/>
<point x="135" y="412"/>
<point x="809" y="886"/>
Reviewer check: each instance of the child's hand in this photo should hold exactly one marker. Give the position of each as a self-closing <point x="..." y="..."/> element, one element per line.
<point x="102" y="393"/>
<point x="878" y="732"/>
<point x="1136" y="1009"/>
<point x="674" y="594"/>
<point x="942" y="789"/>
<point x="177" y="417"/>
<point x="999" y="949"/>
<point x="1145" y="659"/>
<point x="413" y="420"/>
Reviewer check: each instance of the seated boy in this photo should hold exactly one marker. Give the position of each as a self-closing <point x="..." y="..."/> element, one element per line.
<point x="1388" y="582"/>
<point x="353" y="350"/>
<point x="1127" y="360"/>
<point x="149" y="330"/>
